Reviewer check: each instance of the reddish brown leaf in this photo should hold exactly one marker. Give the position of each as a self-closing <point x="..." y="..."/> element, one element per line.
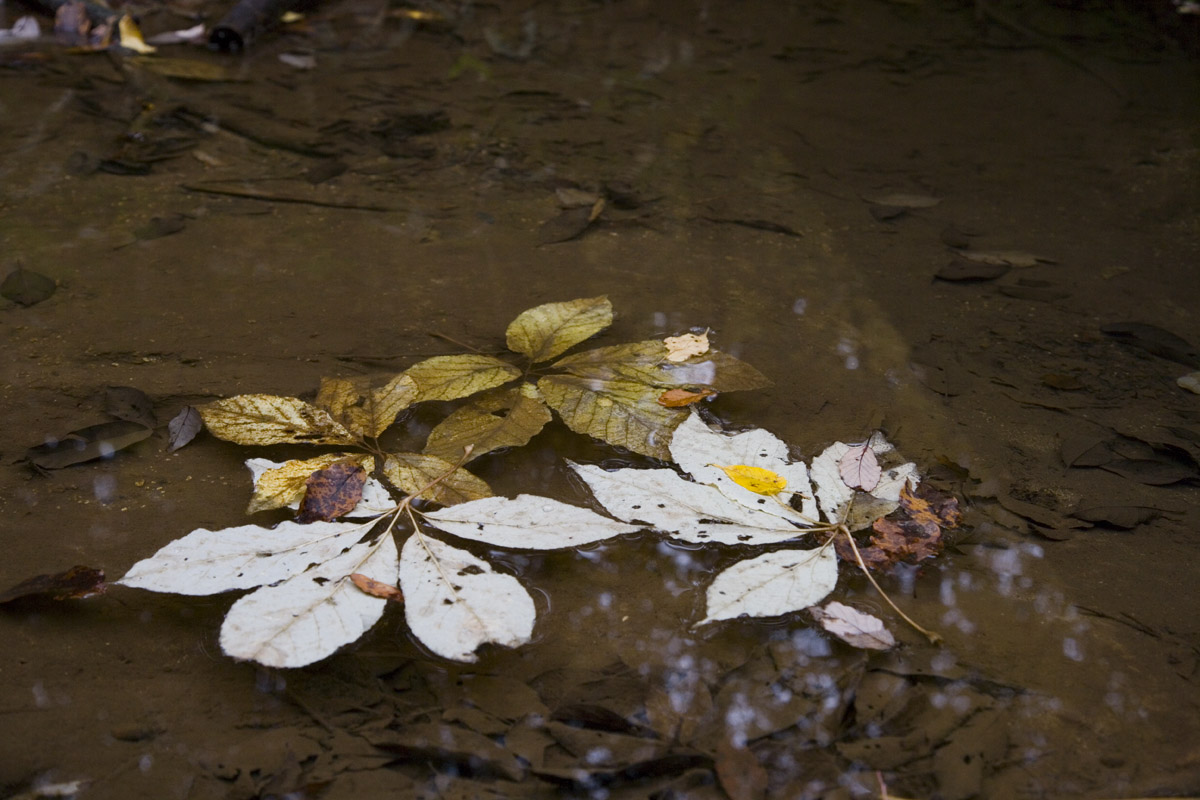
<point x="911" y="533"/>
<point x="332" y="491"/>
<point x="377" y="588"/>
<point x="676" y="398"/>
<point x="927" y="504"/>
<point x="75" y="584"/>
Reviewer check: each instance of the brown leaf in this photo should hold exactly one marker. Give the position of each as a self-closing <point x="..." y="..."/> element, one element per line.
<point x="75" y="584"/>
<point x="927" y="504"/>
<point x="740" y="773"/>
<point x="376" y="588"/>
<point x="911" y="533"/>
<point x="332" y="491"/>
<point x="676" y="398"/>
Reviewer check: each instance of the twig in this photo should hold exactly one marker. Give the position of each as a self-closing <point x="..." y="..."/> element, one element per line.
<point x="933" y="638"/>
<point x="250" y="194"/>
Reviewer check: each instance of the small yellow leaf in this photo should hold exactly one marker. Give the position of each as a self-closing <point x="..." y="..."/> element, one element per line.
<point x="755" y="479"/>
<point x="681" y="348"/>
<point x="263" y="419"/>
<point x="131" y="36"/>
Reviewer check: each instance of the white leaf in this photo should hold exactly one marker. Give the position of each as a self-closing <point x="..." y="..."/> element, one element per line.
<point x="454" y="602"/>
<point x="533" y="523"/>
<point x="375" y="500"/>
<point x="772" y="584"/>
<point x="832" y="491"/>
<point x="859" y="467"/>
<point x="309" y="616"/>
<point x="689" y="511"/>
<point x="854" y="627"/>
<point x="701" y="452"/>
<point x="207" y="562"/>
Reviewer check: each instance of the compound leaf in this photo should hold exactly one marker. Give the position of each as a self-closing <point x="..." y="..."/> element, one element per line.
<point x="543" y="332"/>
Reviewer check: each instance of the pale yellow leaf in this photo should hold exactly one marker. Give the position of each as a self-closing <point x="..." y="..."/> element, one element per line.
<point x="543" y="332"/>
<point x="280" y="487"/>
<point x="361" y="410"/>
<point x="755" y="479"/>
<point x="131" y="36"/>
<point x="495" y="419"/>
<point x="270" y="419"/>
<point x="452" y="377"/>
<point x="389" y="400"/>
<point x="681" y="348"/>
<point x="622" y="413"/>
<point x="412" y="472"/>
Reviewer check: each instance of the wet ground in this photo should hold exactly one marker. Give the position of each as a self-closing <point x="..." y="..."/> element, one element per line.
<point x="337" y="220"/>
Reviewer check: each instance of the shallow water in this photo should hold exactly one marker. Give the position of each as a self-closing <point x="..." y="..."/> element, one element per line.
<point x="737" y="145"/>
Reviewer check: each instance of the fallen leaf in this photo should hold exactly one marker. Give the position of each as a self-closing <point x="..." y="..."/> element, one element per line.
<point x="912" y="533"/>
<point x="859" y="467"/>
<point x="506" y="417"/>
<point x="77" y="583"/>
<point x="412" y="473"/>
<point x="527" y="522"/>
<point x="772" y="584"/>
<point x="452" y="377"/>
<point x="87" y="444"/>
<point x="128" y="403"/>
<point x="376" y="588"/>
<point x="965" y="269"/>
<point x="1191" y="382"/>
<point x="331" y="492"/>
<point x="1124" y="517"/>
<point x="364" y="411"/>
<point x="928" y="506"/>
<point x="264" y="419"/>
<point x="543" y="332"/>
<point x="1150" y="471"/>
<point x="183" y="427"/>
<point x="1013" y="258"/>
<point x="26" y="287"/>
<point x="854" y="627"/>
<point x="834" y="494"/>
<point x="677" y="398"/>
<point x="130" y="36"/>
<point x="681" y="348"/>
<point x="622" y="413"/>
<point x="902" y="200"/>
<point x="755" y="479"/>
<point x="740" y="772"/>
<point x="1154" y="340"/>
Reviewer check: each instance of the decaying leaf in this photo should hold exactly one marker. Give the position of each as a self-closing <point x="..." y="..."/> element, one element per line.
<point x="854" y="627"/>
<point x="678" y="398"/>
<point x="183" y="427"/>
<point x="506" y="417"/>
<point x="622" y="413"/>
<point x="87" y="444"/>
<point x="859" y="467"/>
<point x="772" y="584"/>
<point x="452" y="377"/>
<point x="130" y="404"/>
<point x="264" y="419"/>
<point x="912" y="533"/>
<point x="755" y="479"/>
<point x="455" y="602"/>
<point x="376" y="588"/>
<point x="364" y="411"/>
<point x="903" y="200"/>
<point x="741" y="774"/>
<point x="543" y="332"/>
<point x="527" y="522"/>
<point x="411" y="473"/>
<point x="333" y="491"/>
<point x="281" y="485"/>
<point x="681" y="348"/>
<point x="76" y="583"/>
<point x="646" y="362"/>
<point x="26" y="287"/>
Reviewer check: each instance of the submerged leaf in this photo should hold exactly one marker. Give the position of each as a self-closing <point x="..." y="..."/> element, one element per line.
<point x="87" y="444"/>
<point x="621" y="413"/>
<point x="270" y="419"/>
<point x="529" y="522"/>
<point x="543" y="332"/>
<point x="311" y="615"/>
<point x="452" y="377"/>
<point x="772" y="584"/>
<point x="413" y="472"/>
<point x="333" y="491"/>
<point x="720" y="371"/>
<point x="495" y="419"/>
<point x="282" y="485"/>
<point x="130" y="404"/>
<point x="454" y="602"/>
<point x="76" y="583"/>
<point x="26" y="287"/>
<point x="681" y="348"/>
<point x="854" y="627"/>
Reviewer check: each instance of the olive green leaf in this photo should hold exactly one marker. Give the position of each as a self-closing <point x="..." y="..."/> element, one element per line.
<point x="623" y="413"/>
<point x="507" y="417"/>
<point x="271" y="419"/>
<point x="284" y="485"/>
<point x="646" y="362"/>
<point x="545" y="331"/>
<point x="411" y="472"/>
<point x="452" y="377"/>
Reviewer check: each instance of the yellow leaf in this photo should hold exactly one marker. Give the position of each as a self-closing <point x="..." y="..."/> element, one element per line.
<point x="681" y="348"/>
<point x="623" y="413"/>
<point x="452" y="377"/>
<point x="362" y="411"/>
<point x="410" y="472"/>
<point x="270" y="419"/>
<point x="131" y="36"/>
<point x="755" y="479"/>
<point x="282" y="486"/>
<point x="548" y="330"/>
<point x="506" y="417"/>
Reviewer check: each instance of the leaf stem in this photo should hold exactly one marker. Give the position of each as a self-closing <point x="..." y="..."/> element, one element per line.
<point x="933" y="638"/>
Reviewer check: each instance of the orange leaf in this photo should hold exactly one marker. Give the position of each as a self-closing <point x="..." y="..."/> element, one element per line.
<point x="376" y="588"/>
<point x="676" y="398"/>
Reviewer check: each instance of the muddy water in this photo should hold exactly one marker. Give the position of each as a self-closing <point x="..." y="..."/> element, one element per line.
<point x="737" y="146"/>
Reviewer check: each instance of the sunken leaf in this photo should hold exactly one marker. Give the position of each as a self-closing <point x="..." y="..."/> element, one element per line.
<point x="413" y="472"/>
<point x="621" y="413"/>
<point x="544" y="332"/>
<point x="772" y="584"/>
<point x="495" y="419"/>
<point x="311" y="615"/>
<point x="452" y="377"/>
<point x="270" y="419"/>
<point x="529" y="522"/>
<point x="454" y="602"/>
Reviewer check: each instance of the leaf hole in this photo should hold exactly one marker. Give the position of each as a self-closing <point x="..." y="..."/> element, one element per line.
<point x="320" y="581"/>
<point x="471" y="570"/>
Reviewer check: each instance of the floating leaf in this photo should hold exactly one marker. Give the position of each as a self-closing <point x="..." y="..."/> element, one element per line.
<point x="452" y="377"/>
<point x="912" y="533"/>
<point x="412" y="472"/>
<point x="681" y="348"/>
<point x="772" y="584"/>
<point x="495" y="419"/>
<point x="208" y="562"/>
<point x="854" y="627"/>
<point x="270" y="419"/>
<point x="527" y="522"/>
<point x="361" y="410"/>
<point x="692" y="512"/>
<point x="621" y="413"/>
<point x="183" y="427"/>
<point x="333" y="491"/>
<point x="834" y="494"/>
<point x="76" y="583"/>
<point x="755" y="479"/>
<point x="859" y="467"/>
<point x="454" y="602"/>
<point x="280" y="485"/>
<point x="641" y="362"/>
<point x="311" y="615"/>
<point x="87" y="444"/>
<point x="543" y="332"/>
<point x="27" y="287"/>
<point x="377" y="588"/>
<point x="131" y="36"/>
<point x="677" y="398"/>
